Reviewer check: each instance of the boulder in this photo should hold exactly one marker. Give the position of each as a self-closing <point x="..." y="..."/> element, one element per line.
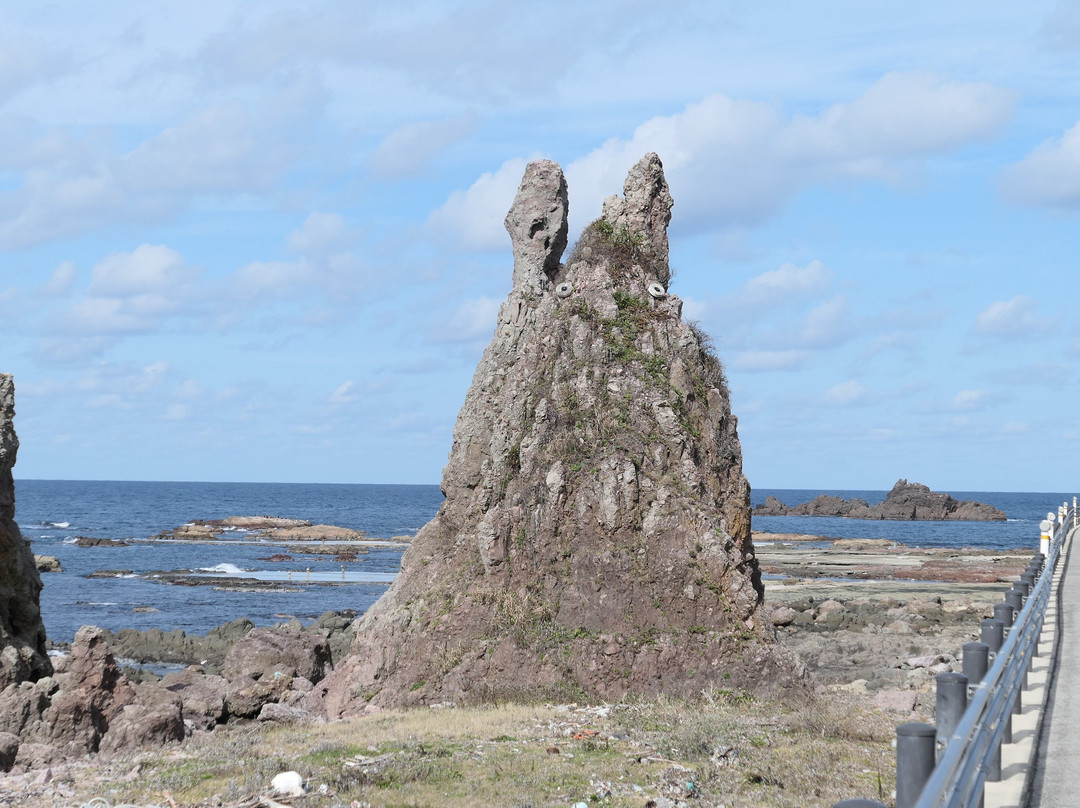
<point x="9" y="750"/>
<point x="138" y="725"/>
<point x="202" y="696"/>
<point x="595" y="532"/>
<point x="286" y="650"/>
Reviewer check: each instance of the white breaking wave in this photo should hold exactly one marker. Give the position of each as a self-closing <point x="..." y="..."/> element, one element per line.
<point x="56" y="524"/>
<point x="224" y="569"/>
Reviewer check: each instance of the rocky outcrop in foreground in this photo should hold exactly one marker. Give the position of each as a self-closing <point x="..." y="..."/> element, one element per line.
<point x="22" y="634"/>
<point x="595" y="536"/>
<point x="90" y="704"/>
<point x="906" y="501"/>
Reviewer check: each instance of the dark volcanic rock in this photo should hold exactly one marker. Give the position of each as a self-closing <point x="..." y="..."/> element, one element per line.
<point x="595" y="536"/>
<point x="906" y="501"/>
<point x="89" y="541"/>
<point x="22" y="634"/>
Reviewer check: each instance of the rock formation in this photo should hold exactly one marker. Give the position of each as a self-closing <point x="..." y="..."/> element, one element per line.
<point x="22" y="634"/>
<point x="905" y="502"/>
<point x="595" y="536"/>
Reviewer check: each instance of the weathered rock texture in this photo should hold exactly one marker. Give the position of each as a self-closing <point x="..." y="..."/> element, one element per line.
<point x="906" y="502"/>
<point x="22" y="634"/>
<point x="595" y="537"/>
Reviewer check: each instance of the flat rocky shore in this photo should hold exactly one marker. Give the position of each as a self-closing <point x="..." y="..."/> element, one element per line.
<point x="872" y="621"/>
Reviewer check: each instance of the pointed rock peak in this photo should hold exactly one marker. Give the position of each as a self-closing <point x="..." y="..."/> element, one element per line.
<point x="595" y="536"/>
<point x="537" y="224"/>
<point x="643" y="214"/>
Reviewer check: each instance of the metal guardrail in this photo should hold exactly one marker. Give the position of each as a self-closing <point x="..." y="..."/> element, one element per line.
<point x="972" y="731"/>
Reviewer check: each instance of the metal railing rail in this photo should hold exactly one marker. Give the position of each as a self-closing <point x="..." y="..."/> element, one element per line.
<point x="972" y="753"/>
<point x="958" y="779"/>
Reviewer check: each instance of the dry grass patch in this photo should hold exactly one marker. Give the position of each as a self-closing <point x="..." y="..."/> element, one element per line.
<point x="725" y="749"/>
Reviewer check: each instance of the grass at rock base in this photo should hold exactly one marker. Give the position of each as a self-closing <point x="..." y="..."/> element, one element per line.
<point x="726" y="749"/>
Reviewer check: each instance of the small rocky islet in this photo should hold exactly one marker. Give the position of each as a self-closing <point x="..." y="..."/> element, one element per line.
<point x="904" y="502"/>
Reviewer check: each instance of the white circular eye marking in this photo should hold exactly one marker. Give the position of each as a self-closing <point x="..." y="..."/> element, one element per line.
<point x="656" y="290"/>
<point x="564" y="289"/>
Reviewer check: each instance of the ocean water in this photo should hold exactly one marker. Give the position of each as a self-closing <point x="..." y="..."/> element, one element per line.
<point x="51" y="513"/>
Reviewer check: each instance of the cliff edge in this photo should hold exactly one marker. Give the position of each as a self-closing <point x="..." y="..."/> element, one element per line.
<point x="22" y="634"/>
<point x="595" y="536"/>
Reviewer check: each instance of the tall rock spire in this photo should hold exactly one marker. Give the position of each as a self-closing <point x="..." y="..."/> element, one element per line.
<point x="595" y="536"/>
<point x="22" y="634"/>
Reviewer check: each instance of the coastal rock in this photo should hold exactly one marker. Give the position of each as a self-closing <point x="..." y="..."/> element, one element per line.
<point x="282" y="651"/>
<point x="9" y="750"/>
<point x="906" y="501"/>
<point x="45" y="563"/>
<point x="89" y="541"/>
<point x="595" y="535"/>
<point x="22" y="634"/>
<point x="262" y="667"/>
<point x="137" y="726"/>
<point x="87" y="701"/>
<point x="261" y="527"/>
<point x="155" y="645"/>
<point x="202" y="696"/>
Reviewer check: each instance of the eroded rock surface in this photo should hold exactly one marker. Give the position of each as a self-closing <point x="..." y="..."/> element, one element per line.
<point x="22" y="634"/>
<point x="906" y="501"/>
<point x="595" y="536"/>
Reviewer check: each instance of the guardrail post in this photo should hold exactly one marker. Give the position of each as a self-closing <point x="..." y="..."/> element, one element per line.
<point x="992" y="633"/>
<point x="860" y="802"/>
<point x="951" y="703"/>
<point x="1015" y="599"/>
<point x="976" y="662"/>
<point x="915" y="761"/>
<point x="1022" y="588"/>
<point x="1004" y="613"/>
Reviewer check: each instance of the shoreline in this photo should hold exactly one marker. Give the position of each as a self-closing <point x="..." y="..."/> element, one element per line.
<point x="871" y="647"/>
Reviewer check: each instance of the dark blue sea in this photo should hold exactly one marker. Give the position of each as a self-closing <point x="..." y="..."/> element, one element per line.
<point x="51" y="513"/>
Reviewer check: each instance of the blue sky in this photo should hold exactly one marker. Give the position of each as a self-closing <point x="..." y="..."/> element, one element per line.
<point x="263" y="242"/>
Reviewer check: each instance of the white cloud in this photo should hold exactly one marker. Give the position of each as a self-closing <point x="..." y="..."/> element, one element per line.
<point x="1014" y="318"/>
<point x="149" y="269"/>
<point x="320" y="233"/>
<point x="828" y="324"/>
<point x="472" y="320"/>
<point x="227" y="149"/>
<point x="408" y="149"/>
<point x="341" y="394"/>
<point x="756" y="360"/>
<point x="473" y="219"/>
<point x="736" y="162"/>
<point x="969" y="400"/>
<point x="274" y="278"/>
<point x="1049" y="176"/>
<point x="61" y="280"/>
<point x="176" y="412"/>
<point x="23" y="64"/>
<point x="847" y="393"/>
<point x="789" y="281"/>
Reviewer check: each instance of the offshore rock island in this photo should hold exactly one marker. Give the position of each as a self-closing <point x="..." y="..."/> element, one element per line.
<point x="906" y="501"/>
<point x="595" y="536"/>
